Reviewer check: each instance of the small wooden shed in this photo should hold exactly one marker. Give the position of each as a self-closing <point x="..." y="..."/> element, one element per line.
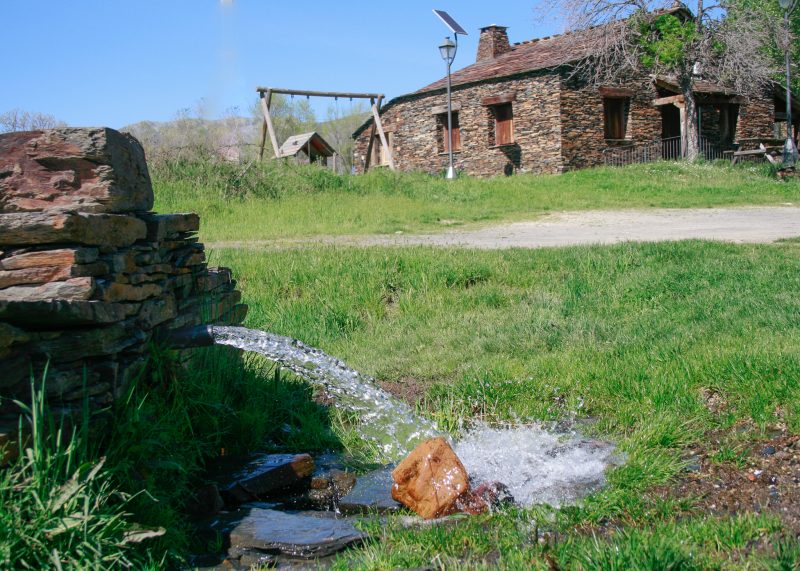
<point x="312" y="145"/>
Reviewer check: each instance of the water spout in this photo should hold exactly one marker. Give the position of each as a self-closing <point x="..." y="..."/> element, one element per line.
<point x="387" y="423"/>
<point x="189" y="337"/>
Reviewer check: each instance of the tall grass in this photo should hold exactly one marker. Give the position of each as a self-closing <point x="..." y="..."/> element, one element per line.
<point x="60" y="507"/>
<point x="72" y="497"/>
<point x="273" y="200"/>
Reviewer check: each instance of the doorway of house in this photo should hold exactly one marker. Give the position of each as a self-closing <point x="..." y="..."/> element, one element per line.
<point x="670" y="132"/>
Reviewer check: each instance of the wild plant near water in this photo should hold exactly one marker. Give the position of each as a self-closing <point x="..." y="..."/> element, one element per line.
<point x="58" y="507"/>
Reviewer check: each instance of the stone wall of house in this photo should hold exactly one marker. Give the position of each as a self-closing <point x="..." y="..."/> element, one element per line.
<point x="756" y="120"/>
<point x="416" y="138"/>
<point x="89" y="276"/>
<point x="582" y="117"/>
<point x="558" y="126"/>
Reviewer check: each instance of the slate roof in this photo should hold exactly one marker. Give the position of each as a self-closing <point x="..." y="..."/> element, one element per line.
<point x="525" y="57"/>
<point x="533" y="55"/>
<point x="297" y="143"/>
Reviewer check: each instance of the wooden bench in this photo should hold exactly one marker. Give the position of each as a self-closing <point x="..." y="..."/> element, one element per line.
<point x="771" y="151"/>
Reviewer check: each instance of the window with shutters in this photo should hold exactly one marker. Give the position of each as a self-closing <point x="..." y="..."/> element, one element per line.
<point x="503" y="118"/>
<point x="442" y="138"/>
<point x="615" y="114"/>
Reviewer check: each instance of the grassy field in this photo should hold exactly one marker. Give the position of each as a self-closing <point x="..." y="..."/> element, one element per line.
<point x="274" y="201"/>
<point x="673" y="349"/>
<point x="636" y="336"/>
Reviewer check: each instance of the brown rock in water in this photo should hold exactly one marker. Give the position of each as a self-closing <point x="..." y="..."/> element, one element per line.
<point x="267" y="475"/>
<point x="93" y="170"/>
<point x="485" y="497"/>
<point x="430" y="479"/>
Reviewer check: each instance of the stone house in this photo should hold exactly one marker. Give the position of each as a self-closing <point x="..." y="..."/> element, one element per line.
<point x="516" y="109"/>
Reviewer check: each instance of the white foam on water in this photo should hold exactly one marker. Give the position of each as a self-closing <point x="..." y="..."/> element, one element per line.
<point x="538" y="466"/>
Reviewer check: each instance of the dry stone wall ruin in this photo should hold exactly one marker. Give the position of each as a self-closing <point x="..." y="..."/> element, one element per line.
<point x="89" y="275"/>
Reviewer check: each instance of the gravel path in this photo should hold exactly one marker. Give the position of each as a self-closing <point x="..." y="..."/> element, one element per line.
<point x="738" y="225"/>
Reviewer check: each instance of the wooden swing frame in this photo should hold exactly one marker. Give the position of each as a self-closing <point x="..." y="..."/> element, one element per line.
<point x="265" y="95"/>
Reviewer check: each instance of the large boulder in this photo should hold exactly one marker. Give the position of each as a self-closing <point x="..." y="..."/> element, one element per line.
<point x="431" y="479"/>
<point x="91" y="170"/>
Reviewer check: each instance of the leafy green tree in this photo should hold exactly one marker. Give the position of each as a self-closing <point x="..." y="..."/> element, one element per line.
<point x="727" y="43"/>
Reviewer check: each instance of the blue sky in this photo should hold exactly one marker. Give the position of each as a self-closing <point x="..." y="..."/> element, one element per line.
<point x="115" y="62"/>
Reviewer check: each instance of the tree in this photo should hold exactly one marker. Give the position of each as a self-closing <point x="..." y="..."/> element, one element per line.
<point x="20" y="120"/>
<point x="339" y="128"/>
<point x="726" y="43"/>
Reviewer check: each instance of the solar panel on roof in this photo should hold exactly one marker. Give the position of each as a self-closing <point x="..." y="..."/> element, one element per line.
<point x="454" y="26"/>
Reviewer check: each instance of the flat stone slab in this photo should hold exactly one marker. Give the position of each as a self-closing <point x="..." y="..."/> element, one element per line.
<point x="293" y="535"/>
<point x="35" y="228"/>
<point x="372" y="493"/>
<point x="264" y="476"/>
<point x="51" y="312"/>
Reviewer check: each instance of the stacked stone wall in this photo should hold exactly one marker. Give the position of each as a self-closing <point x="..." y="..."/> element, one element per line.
<point x="583" y="128"/>
<point x="558" y="125"/>
<point x="89" y="276"/>
<point x="537" y="129"/>
<point x="756" y="120"/>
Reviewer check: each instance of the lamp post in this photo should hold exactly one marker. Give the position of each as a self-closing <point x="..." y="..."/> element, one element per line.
<point x="789" y="148"/>
<point x="448" y="50"/>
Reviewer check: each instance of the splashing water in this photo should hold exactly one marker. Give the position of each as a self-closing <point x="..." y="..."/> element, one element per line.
<point x="537" y="465"/>
<point x="388" y="423"/>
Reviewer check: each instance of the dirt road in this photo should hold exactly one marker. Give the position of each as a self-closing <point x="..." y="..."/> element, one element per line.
<point x="738" y="225"/>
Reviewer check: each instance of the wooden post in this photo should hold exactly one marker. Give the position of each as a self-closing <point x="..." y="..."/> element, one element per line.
<point x="263" y="140"/>
<point x="265" y="103"/>
<point x="384" y="141"/>
<point x="370" y="144"/>
<point x="682" y="107"/>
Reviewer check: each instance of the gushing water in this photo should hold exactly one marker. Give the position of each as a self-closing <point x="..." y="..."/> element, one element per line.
<point x="537" y="465"/>
<point x="388" y="423"/>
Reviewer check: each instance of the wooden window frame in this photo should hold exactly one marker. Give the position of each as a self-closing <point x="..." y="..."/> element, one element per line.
<point x="442" y="132"/>
<point x="615" y="118"/>
<point x="503" y="127"/>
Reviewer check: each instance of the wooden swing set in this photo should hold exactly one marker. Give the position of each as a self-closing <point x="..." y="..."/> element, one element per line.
<point x="265" y="95"/>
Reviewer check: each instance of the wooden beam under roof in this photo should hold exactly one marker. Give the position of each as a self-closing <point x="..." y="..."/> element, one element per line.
<point x="701" y="100"/>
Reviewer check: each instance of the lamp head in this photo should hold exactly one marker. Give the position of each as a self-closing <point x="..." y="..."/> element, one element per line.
<point x="448" y="50"/>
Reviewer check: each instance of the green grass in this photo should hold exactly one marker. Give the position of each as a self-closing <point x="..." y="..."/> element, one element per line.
<point x="274" y="201"/>
<point x="629" y="334"/>
<point x="83" y="497"/>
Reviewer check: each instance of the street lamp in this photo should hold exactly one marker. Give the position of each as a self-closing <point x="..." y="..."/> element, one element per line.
<point x="448" y="50"/>
<point x="789" y="148"/>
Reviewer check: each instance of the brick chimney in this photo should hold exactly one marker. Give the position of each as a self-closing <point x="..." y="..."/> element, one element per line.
<point x="493" y="42"/>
